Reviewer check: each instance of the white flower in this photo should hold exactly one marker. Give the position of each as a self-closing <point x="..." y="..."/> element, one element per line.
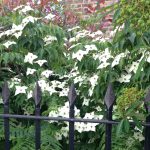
<point x="29" y="19"/>
<point x="50" y="16"/>
<point x="89" y="115"/>
<point x="90" y="47"/>
<point x="90" y="127"/>
<point x="20" y="89"/>
<point x="117" y="59"/>
<point x="93" y="80"/>
<point x="86" y="102"/>
<point x="125" y="78"/>
<point x="64" y="92"/>
<point x="53" y="114"/>
<point x="98" y="117"/>
<point x="1" y="34"/>
<point x="138" y="136"/>
<point x="74" y="28"/>
<point x="9" y="32"/>
<point x="43" y="85"/>
<point x="29" y="94"/>
<point x="73" y="39"/>
<point x="8" y="43"/>
<point x="30" y="57"/>
<point x="95" y="34"/>
<point x="50" y="89"/>
<point x="17" y="27"/>
<point x="90" y="91"/>
<point x="74" y="45"/>
<point x="79" y="54"/>
<point x="30" y="71"/>
<point x="78" y="79"/>
<point x="103" y="65"/>
<point x="26" y="9"/>
<point x="64" y="111"/>
<point x="50" y="38"/>
<point x="40" y="62"/>
<point x="134" y="66"/>
<point x="46" y="73"/>
<point x="79" y="126"/>
<point x="105" y="55"/>
<point x="58" y="136"/>
<point x="17" y="34"/>
<point x="18" y="7"/>
<point x="64" y="131"/>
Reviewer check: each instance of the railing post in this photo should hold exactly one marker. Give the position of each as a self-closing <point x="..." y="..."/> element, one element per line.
<point x="71" y="96"/>
<point x="37" y="97"/>
<point x="109" y="101"/>
<point x="147" y="128"/>
<point x="5" y="97"/>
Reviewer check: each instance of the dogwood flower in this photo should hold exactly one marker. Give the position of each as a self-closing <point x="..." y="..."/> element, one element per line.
<point x="29" y="19"/>
<point x="50" y="89"/>
<point x="86" y="102"/>
<point x="8" y="43"/>
<point x="90" y="47"/>
<point x="50" y="17"/>
<point x="73" y="39"/>
<point x="29" y="94"/>
<point x="90" y="127"/>
<point x="90" y="91"/>
<point x="26" y="9"/>
<point x="74" y="28"/>
<point x="64" y="92"/>
<point x="79" y="54"/>
<point x="89" y="115"/>
<point x="18" y="7"/>
<point x="138" y="136"/>
<point x="30" y="57"/>
<point x="20" y="89"/>
<point x="125" y="78"/>
<point x="17" y="27"/>
<point x="50" y="38"/>
<point x="46" y="73"/>
<point x="117" y="59"/>
<point x="103" y="65"/>
<point x="40" y="62"/>
<point x="93" y="80"/>
<point x="17" y="34"/>
<point x="134" y="66"/>
<point x="43" y="85"/>
<point x="30" y="71"/>
<point x="74" y="45"/>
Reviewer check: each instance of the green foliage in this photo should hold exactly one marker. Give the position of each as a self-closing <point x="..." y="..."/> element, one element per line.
<point x="134" y="12"/>
<point x="129" y="101"/>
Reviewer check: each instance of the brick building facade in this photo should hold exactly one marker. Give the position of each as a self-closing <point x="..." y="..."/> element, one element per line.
<point x="83" y="7"/>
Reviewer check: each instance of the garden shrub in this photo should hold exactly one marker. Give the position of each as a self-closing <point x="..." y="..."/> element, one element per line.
<point x="36" y="48"/>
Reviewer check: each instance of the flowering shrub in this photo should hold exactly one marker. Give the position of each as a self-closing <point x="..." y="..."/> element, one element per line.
<point x="34" y="48"/>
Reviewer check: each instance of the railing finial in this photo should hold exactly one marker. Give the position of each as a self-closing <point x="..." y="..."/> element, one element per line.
<point x="109" y="96"/>
<point x="72" y="95"/>
<point x="5" y="93"/>
<point x="37" y="94"/>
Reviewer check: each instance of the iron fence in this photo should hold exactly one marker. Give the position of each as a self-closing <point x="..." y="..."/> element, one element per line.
<point x="37" y="95"/>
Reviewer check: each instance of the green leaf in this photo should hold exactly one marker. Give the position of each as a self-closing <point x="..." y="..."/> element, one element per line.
<point x="119" y="128"/>
<point x="132" y="38"/>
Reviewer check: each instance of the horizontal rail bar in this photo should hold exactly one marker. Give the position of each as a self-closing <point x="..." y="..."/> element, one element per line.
<point x="65" y="119"/>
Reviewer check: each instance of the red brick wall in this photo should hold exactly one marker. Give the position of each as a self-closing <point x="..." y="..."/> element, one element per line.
<point x="82" y="6"/>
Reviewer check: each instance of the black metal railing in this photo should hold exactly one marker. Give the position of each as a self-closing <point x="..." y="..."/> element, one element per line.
<point x="37" y="95"/>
